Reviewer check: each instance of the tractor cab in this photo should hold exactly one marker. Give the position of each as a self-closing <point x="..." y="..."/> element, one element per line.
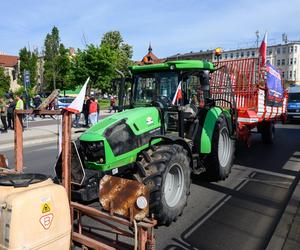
<point x="178" y="89"/>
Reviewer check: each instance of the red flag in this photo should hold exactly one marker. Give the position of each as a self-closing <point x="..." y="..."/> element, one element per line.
<point x="178" y="94"/>
<point x="263" y="51"/>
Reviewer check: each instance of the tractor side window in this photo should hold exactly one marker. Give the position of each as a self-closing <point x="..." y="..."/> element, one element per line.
<point x="155" y="86"/>
<point x="193" y="90"/>
<point x="145" y="88"/>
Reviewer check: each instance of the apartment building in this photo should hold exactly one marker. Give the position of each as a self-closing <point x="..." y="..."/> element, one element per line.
<point x="11" y="68"/>
<point x="286" y="57"/>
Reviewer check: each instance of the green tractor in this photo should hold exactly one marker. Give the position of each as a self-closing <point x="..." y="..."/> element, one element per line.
<point x="171" y="129"/>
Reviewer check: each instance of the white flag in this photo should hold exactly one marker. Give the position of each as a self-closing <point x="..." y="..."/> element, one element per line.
<point x="76" y="105"/>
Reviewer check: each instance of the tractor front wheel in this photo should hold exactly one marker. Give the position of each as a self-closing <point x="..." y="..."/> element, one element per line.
<point x="165" y="170"/>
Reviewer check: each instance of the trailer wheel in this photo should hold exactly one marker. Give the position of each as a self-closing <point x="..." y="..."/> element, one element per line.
<point x="219" y="162"/>
<point x="165" y="170"/>
<point x="268" y="132"/>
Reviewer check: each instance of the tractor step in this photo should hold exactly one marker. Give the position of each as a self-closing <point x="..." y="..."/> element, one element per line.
<point x="198" y="167"/>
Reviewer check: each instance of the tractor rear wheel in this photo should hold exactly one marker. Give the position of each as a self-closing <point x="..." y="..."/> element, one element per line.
<point x="219" y="162"/>
<point x="165" y="170"/>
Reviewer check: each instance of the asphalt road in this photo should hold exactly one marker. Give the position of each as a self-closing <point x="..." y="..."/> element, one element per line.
<point x="239" y="213"/>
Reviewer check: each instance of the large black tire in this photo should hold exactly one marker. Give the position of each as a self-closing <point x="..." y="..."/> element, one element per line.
<point x="219" y="162"/>
<point x="268" y="132"/>
<point x="163" y="169"/>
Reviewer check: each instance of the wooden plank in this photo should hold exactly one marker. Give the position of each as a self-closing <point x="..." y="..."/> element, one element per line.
<point x="49" y="99"/>
<point x="18" y="143"/>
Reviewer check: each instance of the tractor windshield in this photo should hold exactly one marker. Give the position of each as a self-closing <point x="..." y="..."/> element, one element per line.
<point x="150" y="87"/>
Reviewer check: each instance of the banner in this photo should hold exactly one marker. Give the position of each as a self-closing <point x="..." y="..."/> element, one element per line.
<point x="274" y="86"/>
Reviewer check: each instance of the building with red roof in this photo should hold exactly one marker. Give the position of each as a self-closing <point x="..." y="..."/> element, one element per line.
<point x="11" y="68"/>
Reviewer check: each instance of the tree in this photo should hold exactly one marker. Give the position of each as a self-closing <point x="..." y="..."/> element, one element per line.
<point x="28" y="61"/>
<point x="57" y="62"/>
<point x="100" y="62"/>
<point x="114" y="40"/>
<point x="4" y="82"/>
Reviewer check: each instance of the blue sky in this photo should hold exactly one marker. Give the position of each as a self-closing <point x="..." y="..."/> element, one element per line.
<point x="172" y="26"/>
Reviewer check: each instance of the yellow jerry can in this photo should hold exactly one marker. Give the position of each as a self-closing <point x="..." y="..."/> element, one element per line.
<point x="34" y="213"/>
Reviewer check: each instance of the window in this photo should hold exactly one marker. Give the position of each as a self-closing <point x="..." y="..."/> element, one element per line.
<point x="216" y="57"/>
<point x="248" y="53"/>
<point x="291" y="61"/>
<point x="278" y="50"/>
<point x="291" y="73"/>
<point x="242" y="54"/>
<point x="282" y="74"/>
<point x="295" y="60"/>
<point x="237" y="54"/>
<point x="294" y="74"/>
<point x="150" y="86"/>
<point x="231" y="55"/>
<point x="283" y="62"/>
<point x="283" y="50"/>
<point x="278" y="62"/>
<point x="295" y="48"/>
<point x="252" y="53"/>
<point x="270" y="51"/>
<point x="291" y="49"/>
<point x="226" y="55"/>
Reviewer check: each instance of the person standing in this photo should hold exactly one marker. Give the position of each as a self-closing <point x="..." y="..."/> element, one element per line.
<point x="112" y="103"/>
<point x="20" y="106"/>
<point x="85" y="110"/>
<point x="3" y="114"/>
<point x="10" y="113"/>
<point x="93" y="111"/>
<point x="98" y="110"/>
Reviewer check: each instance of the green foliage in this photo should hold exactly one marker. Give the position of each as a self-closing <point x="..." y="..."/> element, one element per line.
<point x="28" y="61"/>
<point x="4" y="82"/>
<point x="57" y="62"/>
<point x="101" y="62"/>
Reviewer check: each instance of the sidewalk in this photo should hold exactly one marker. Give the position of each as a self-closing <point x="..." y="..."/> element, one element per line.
<point x="287" y="233"/>
<point x="39" y="134"/>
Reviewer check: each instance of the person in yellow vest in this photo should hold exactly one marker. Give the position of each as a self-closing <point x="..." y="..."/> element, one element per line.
<point x="20" y="103"/>
<point x="20" y="106"/>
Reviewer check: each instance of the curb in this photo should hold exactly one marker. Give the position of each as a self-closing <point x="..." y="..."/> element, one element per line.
<point x="286" y="235"/>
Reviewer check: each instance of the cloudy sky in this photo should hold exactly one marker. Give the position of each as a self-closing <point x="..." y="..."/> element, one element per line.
<point x="172" y="26"/>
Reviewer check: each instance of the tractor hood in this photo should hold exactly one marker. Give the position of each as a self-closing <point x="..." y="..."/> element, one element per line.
<point x="116" y="140"/>
<point x="140" y="120"/>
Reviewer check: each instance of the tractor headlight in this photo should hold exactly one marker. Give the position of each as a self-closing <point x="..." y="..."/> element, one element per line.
<point x="93" y="151"/>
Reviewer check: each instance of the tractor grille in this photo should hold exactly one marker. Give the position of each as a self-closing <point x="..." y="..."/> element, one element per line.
<point x="93" y="151"/>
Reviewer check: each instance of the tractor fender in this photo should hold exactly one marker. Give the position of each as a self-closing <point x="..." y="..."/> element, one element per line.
<point x="173" y="140"/>
<point x="208" y="128"/>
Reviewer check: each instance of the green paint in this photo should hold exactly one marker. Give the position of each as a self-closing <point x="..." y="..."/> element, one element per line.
<point x="118" y="161"/>
<point x="174" y="65"/>
<point x="140" y="120"/>
<point x="208" y="129"/>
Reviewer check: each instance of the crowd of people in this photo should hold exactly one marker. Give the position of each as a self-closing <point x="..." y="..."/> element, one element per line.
<point x="90" y="112"/>
<point x="7" y="108"/>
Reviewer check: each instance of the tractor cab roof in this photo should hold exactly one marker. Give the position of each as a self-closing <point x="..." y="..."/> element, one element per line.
<point x="174" y="65"/>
